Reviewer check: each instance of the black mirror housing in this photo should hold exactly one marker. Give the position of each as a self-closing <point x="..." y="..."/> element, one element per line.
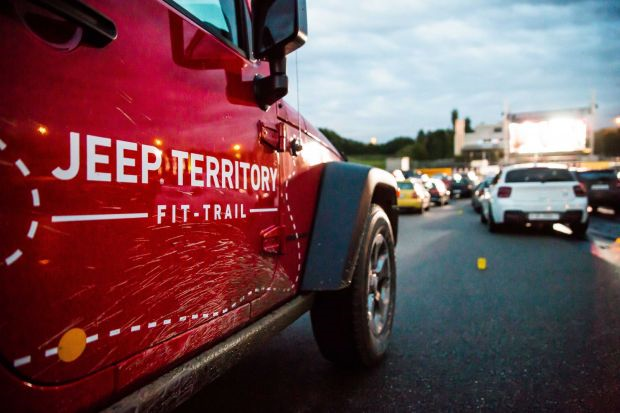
<point x="279" y="27"/>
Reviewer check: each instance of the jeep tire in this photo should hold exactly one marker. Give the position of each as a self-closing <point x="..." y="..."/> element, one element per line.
<point x="353" y="326"/>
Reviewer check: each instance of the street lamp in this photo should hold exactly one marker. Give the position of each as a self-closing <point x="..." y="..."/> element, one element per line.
<point x="617" y="121"/>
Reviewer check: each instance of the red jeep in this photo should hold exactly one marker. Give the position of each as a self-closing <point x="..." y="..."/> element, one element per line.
<point x="164" y="210"/>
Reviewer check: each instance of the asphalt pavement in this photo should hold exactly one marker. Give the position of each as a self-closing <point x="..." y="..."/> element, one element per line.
<point x="538" y="330"/>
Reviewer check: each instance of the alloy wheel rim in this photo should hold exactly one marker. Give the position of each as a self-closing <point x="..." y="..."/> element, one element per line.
<point x="379" y="284"/>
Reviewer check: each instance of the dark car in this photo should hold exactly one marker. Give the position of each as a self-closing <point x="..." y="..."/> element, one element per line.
<point x="478" y="193"/>
<point x="462" y="187"/>
<point x="603" y="188"/>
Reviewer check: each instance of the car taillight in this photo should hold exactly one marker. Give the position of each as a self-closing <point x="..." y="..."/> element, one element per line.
<point x="397" y="192"/>
<point x="414" y="194"/>
<point x="504" y="192"/>
<point x="579" y="190"/>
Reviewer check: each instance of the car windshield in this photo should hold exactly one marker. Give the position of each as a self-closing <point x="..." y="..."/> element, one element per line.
<point x="405" y="185"/>
<point x="539" y="175"/>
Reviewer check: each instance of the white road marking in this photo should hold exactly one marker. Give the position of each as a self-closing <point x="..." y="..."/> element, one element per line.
<point x="92" y="339"/>
<point x="167" y="321"/>
<point x="115" y="332"/>
<point x="98" y="217"/>
<point x="153" y="324"/>
<point x="135" y="328"/>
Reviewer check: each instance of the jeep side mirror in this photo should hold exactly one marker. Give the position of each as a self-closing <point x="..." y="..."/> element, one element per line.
<point x="279" y="27"/>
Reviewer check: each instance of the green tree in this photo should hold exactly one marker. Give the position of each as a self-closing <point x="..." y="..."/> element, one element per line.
<point x="468" y="128"/>
<point x="607" y="142"/>
<point x="395" y="145"/>
<point x="347" y="146"/>
<point x="419" y="152"/>
<point x="454" y="116"/>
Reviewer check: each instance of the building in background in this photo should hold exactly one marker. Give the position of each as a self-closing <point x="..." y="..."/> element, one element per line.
<point x="485" y="142"/>
<point x="557" y="135"/>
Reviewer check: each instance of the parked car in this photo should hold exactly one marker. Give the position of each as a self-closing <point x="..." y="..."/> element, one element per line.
<point x="603" y="188"/>
<point x="462" y="187"/>
<point x="446" y="179"/>
<point x="413" y="196"/>
<point x="163" y="210"/>
<point x="478" y="194"/>
<point x="440" y="195"/>
<point x="541" y="194"/>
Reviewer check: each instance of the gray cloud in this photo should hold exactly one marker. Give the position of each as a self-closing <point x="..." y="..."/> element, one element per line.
<point x="377" y="68"/>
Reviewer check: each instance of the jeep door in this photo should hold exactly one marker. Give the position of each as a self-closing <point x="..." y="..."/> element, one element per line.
<point x="135" y="193"/>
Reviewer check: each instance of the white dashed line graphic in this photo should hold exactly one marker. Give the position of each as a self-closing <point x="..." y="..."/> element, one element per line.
<point x="153" y="324"/>
<point x="36" y="202"/>
<point x="22" y="167"/>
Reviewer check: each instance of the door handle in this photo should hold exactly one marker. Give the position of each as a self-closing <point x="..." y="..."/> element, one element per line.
<point x="98" y="29"/>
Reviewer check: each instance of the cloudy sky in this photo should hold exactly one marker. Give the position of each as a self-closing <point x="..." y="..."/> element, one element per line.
<point x="391" y="67"/>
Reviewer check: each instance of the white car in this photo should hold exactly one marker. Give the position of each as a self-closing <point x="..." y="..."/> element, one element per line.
<point x="536" y="193"/>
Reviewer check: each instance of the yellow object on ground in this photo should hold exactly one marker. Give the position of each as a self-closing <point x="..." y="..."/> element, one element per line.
<point x="482" y="263"/>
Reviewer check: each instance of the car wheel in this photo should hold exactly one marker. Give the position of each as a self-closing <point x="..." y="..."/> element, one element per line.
<point x="353" y="326"/>
<point x="493" y="227"/>
<point x="579" y="230"/>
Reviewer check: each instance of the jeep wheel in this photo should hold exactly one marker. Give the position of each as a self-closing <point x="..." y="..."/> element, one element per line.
<point x="353" y="326"/>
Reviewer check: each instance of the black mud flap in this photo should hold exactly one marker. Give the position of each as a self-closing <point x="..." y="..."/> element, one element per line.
<point x="346" y="193"/>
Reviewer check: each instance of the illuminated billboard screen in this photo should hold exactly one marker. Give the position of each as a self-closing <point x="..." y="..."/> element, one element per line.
<point x="554" y="135"/>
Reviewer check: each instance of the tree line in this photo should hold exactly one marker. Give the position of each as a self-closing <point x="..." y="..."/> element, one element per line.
<point x="427" y="145"/>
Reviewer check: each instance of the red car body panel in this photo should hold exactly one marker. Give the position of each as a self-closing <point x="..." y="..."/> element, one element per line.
<point x="144" y="247"/>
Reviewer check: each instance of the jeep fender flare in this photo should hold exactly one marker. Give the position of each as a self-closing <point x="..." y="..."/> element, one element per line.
<point x="345" y="196"/>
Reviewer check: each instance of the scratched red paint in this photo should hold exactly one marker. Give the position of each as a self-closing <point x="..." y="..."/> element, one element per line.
<point x="108" y="276"/>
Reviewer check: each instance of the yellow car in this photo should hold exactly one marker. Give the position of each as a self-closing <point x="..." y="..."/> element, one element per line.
<point x="413" y="196"/>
